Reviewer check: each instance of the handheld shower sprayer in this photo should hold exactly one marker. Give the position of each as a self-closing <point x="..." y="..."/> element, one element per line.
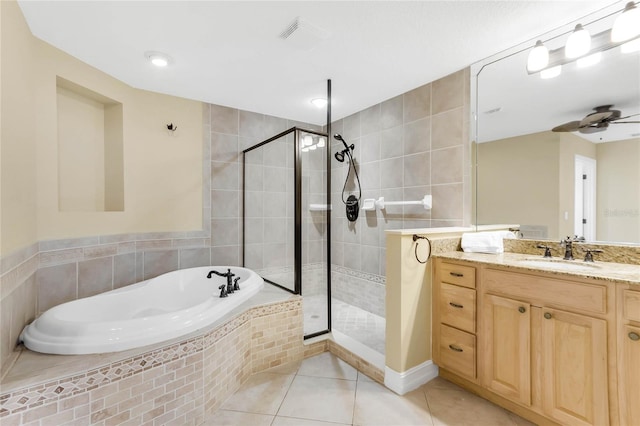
<point x="347" y="149"/>
<point x="352" y="201"/>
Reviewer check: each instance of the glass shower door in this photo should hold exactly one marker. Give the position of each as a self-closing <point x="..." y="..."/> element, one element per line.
<point x="269" y="200"/>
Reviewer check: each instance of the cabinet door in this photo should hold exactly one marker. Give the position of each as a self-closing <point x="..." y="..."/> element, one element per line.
<point x="506" y="350"/>
<point x="629" y="375"/>
<point x="574" y="365"/>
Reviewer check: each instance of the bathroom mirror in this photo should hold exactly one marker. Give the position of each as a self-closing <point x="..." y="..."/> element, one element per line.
<point x="528" y="175"/>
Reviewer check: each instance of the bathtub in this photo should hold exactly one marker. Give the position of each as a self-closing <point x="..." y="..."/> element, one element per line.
<point x="152" y="311"/>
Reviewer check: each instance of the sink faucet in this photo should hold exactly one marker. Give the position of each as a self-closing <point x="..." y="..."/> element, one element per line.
<point x="568" y="246"/>
<point x="229" y="276"/>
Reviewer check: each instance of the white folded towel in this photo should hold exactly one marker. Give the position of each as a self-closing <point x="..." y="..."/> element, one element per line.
<point x="485" y="242"/>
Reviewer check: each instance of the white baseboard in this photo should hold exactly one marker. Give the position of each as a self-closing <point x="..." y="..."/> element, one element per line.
<point x="411" y="379"/>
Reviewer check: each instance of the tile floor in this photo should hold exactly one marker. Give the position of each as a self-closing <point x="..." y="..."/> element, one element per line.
<point x="325" y="391"/>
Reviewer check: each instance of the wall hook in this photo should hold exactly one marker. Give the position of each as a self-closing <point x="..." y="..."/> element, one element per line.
<point x="171" y="128"/>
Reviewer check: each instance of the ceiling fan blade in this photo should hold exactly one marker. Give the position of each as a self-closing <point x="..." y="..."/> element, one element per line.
<point x="623" y="118"/>
<point x="597" y="117"/>
<point x="571" y="126"/>
<point x="592" y="129"/>
<point x="623" y="122"/>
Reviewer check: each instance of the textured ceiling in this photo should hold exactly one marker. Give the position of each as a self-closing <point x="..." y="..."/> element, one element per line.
<point x="230" y="53"/>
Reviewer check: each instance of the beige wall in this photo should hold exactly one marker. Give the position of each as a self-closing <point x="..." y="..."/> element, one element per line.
<point x="618" y="191"/>
<point x="517" y="181"/>
<point x="18" y="169"/>
<point x="162" y="173"/>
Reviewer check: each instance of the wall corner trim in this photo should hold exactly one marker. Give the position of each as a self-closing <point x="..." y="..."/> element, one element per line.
<point x="411" y="379"/>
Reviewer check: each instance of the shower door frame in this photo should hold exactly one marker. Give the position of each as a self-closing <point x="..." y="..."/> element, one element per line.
<point x="297" y="166"/>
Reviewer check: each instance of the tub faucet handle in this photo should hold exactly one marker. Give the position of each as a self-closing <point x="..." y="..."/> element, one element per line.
<point x="236" y="286"/>
<point x="223" y="290"/>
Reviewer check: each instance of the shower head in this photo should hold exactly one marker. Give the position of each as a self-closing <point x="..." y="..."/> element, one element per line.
<point x="347" y="149"/>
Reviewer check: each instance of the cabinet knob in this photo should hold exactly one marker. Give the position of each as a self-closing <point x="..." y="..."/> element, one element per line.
<point x="634" y="336"/>
<point x="522" y="309"/>
<point x="455" y="348"/>
<point x="456" y="274"/>
<point x="547" y="315"/>
<point x="455" y="305"/>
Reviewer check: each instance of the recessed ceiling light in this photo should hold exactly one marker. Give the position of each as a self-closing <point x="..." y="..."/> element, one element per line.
<point x="158" y="59"/>
<point x="319" y="102"/>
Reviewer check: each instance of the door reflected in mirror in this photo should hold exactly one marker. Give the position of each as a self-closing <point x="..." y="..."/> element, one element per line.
<point x="582" y="179"/>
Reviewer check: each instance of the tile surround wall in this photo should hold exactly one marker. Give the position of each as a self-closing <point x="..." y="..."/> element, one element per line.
<point x="406" y="147"/>
<point x="176" y="385"/>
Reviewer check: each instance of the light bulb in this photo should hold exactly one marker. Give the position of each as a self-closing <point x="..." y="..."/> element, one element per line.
<point x="627" y="24"/>
<point x="307" y="140"/>
<point x="587" y="61"/>
<point x="578" y="44"/>
<point x="321" y="142"/>
<point x="551" y="72"/>
<point x="538" y="57"/>
<point x="631" y="46"/>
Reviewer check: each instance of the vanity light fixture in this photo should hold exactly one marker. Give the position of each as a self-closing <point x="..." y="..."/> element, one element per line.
<point x="627" y="25"/>
<point x="319" y="102"/>
<point x="578" y="43"/>
<point x="538" y="57"/>
<point x="551" y="72"/>
<point x="590" y="60"/>
<point x="584" y="48"/>
<point x="158" y="59"/>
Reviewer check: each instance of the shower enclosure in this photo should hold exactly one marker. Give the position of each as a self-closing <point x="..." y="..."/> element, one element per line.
<point x="286" y="223"/>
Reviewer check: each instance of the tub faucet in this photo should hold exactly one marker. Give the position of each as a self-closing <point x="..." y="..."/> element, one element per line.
<point x="229" y="275"/>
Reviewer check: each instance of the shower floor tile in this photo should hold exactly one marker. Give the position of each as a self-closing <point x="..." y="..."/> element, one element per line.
<point x="360" y="325"/>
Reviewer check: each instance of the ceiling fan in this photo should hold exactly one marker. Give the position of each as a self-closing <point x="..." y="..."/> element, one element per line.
<point x="597" y="121"/>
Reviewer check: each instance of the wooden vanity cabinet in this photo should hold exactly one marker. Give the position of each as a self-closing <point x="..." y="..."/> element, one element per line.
<point x="543" y="344"/>
<point x="454" y="337"/>
<point x="628" y="338"/>
<point x="546" y="346"/>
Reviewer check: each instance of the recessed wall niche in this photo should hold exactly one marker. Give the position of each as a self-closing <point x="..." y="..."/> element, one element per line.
<point x="90" y="152"/>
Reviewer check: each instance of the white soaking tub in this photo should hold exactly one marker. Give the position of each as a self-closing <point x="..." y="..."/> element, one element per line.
<point x="162" y="308"/>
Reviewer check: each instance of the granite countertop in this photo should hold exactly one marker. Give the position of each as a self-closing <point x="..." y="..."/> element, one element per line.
<point x="608" y="271"/>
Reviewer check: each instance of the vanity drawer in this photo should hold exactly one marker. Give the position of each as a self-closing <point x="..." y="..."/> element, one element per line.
<point x="547" y="291"/>
<point x="631" y="305"/>
<point x="464" y="276"/>
<point x="458" y="307"/>
<point x="457" y="351"/>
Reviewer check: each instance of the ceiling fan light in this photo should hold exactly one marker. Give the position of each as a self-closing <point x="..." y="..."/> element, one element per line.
<point x="631" y="46"/>
<point x="578" y="43"/>
<point x="627" y="24"/>
<point x="590" y="60"/>
<point x="551" y="72"/>
<point x="307" y="140"/>
<point x="321" y="142"/>
<point x="538" y="57"/>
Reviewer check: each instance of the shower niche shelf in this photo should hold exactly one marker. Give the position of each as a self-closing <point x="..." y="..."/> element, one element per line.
<point x="90" y="150"/>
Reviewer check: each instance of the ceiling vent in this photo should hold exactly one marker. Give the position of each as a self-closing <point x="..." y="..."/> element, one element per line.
<point x="303" y="35"/>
